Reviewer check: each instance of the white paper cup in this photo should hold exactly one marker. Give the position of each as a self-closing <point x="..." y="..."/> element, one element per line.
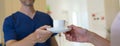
<point x="59" y="23"/>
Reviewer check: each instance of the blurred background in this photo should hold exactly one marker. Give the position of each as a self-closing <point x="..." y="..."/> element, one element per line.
<point x="95" y="15"/>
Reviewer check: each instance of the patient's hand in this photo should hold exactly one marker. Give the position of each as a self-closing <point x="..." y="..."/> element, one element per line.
<point x="77" y="34"/>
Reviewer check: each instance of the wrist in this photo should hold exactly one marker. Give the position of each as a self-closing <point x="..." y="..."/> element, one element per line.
<point x="90" y="36"/>
<point x="33" y="38"/>
<point x="29" y="40"/>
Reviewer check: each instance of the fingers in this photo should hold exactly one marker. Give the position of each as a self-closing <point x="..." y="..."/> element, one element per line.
<point x="43" y="30"/>
<point x="71" y="26"/>
<point x="44" y="27"/>
<point x="43" y="35"/>
<point x="68" y="37"/>
<point x="71" y="35"/>
<point x="77" y="34"/>
<point x="40" y="33"/>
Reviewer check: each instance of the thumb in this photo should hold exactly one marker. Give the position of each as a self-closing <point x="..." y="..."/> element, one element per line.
<point x="45" y="27"/>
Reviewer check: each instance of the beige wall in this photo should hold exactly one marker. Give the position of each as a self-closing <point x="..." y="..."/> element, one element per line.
<point x="12" y="6"/>
<point x="111" y="10"/>
<point x="1" y="17"/>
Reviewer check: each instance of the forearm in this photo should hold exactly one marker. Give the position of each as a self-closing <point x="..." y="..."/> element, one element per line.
<point x="28" y="41"/>
<point x="53" y="41"/>
<point x="97" y="40"/>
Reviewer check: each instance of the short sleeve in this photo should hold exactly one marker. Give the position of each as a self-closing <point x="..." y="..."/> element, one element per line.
<point x="8" y="29"/>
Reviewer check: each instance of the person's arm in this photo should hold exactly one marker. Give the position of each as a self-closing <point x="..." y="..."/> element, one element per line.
<point x="39" y="36"/>
<point x="78" y="34"/>
<point x="28" y="41"/>
<point x="10" y="35"/>
<point x="97" y="40"/>
<point x="53" y="41"/>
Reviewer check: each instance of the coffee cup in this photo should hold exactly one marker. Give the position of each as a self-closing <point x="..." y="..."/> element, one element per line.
<point x="59" y="23"/>
<point x="59" y="26"/>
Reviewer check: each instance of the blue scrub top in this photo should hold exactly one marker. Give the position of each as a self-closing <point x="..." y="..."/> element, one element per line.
<point x="18" y="25"/>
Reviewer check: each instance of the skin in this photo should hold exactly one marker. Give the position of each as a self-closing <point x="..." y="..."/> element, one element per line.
<point x="39" y="36"/>
<point x="78" y="34"/>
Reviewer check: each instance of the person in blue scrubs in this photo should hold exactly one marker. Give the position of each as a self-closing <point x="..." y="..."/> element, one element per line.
<point x="27" y="27"/>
